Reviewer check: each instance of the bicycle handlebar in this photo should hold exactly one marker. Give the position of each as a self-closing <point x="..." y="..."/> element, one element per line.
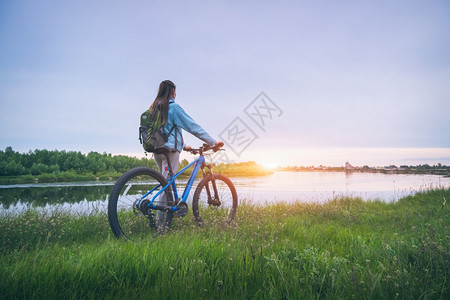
<point x="205" y="147"/>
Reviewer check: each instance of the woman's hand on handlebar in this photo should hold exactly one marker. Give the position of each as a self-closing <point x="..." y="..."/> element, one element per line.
<point x="218" y="145"/>
<point x="205" y="147"/>
<point x="190" y="149"/>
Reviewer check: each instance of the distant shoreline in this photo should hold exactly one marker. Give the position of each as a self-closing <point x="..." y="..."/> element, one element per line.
<point x="248" y="169"/>
<point x="417" y="170"/>
<point x="232" y="172"/>
<point x="45" y="166"/>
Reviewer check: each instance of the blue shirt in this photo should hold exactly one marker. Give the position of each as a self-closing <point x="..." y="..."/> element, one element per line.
<point x="177" y="116"/>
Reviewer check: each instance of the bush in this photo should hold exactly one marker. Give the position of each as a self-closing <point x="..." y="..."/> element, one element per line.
<point x="47" y="177"/>
<point x="85" y="177"/>
<point x="27" y="179"/>
<point x="104" y="178"/>
<point x="66" y="176"/>
<point x="70" y="176"/>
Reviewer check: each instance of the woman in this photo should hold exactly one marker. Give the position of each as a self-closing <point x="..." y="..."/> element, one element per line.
<point x="174" y="119"/>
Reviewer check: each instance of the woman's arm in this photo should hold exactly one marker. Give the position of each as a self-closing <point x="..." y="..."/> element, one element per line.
<point x="184" y="121"/>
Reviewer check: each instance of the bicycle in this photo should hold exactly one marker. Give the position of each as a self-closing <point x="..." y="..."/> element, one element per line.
<point x="141" y="191"/>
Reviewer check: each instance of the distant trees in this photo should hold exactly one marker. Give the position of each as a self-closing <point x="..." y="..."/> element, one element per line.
<point x="438" y="169"/>
<point x="38" y="162"/>
<point x="249" y="168"/>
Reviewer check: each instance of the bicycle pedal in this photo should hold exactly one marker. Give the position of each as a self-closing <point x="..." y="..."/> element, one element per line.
<point x="182" y="210"/>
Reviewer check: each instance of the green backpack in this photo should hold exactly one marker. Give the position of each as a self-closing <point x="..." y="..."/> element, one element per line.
<point x="151" y="131"/>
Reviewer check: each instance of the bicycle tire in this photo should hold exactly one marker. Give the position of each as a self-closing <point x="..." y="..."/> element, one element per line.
<point x="125" y="218"/>
<point x="205" y="212"/>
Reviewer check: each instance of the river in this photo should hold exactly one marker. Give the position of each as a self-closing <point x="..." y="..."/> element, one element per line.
<point x="319" y="187"/>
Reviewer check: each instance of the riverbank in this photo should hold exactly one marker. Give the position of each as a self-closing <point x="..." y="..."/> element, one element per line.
<point x="247" y="169"/>
<point x="345" y="248"/>
<point x="58" y="177"/>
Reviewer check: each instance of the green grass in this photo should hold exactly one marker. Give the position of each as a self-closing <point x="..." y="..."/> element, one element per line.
<point x="345" y="249"/>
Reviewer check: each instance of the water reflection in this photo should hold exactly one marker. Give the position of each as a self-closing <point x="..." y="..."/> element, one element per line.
<point x="41" y="195"/>
<point x="76" y="198"/>
<point x="320" y="187"/>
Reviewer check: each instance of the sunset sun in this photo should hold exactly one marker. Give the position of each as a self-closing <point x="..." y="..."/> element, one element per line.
<point x="269" y="165"/>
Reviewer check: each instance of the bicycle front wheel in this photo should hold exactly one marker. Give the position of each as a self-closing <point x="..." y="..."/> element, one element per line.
<point x="215" y="200"/>
<point x="128" y="211"/>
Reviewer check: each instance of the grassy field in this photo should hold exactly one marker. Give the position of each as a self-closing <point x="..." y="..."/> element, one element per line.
<point x="345" y="249"/>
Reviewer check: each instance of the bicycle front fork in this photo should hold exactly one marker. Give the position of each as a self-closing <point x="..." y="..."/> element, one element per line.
<point x="212" y="200"/>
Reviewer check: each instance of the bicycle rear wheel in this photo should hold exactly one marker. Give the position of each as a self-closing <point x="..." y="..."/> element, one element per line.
<point x="128" y="213"/>
<point x="209" y="207"/>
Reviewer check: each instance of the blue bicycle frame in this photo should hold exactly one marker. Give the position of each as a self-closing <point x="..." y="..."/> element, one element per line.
<point x="198" y="163"/>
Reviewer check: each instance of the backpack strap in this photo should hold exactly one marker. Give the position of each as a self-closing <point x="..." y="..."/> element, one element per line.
<point x="182" y="139"/>
<point x="170" y="131"/>
<point x="166" y="136"/>
<point x="175" y="127"/>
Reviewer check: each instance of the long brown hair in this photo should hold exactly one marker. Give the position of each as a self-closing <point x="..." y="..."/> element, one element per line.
<point x="165" y="92"/>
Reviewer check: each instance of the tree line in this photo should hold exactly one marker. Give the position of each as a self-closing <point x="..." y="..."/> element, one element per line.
<point x="13" y="163"/>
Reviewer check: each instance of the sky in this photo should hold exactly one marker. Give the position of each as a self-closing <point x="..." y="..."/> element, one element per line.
<point x="280" y="82"/>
